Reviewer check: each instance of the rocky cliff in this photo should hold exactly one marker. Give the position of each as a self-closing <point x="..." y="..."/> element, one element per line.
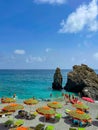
<point x="57" y="80"/>
<point x="84" y="80"/>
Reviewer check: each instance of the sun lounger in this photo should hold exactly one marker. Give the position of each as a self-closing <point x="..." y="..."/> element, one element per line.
<point x="49" y="127"/>
<point x="3" y="114"/>
<point x="40" y="127"/>
<point x="58" y="117"/>
<point x="13" y="123"/>
<point x="9" y="123"/>
<point x="67" y="111"/>
<point x="81" y="128"/>
<point x="72" y="128"/>
<point x="34" y="114"/>
<point x="22" y="113"/>
<point x="18" y="123"/>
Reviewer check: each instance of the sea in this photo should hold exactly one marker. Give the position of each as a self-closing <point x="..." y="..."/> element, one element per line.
<point x="30" y="83"/>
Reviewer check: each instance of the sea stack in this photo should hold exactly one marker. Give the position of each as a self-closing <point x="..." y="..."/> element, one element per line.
<point x="84" y="80"/>
<point x="57" y="80"/>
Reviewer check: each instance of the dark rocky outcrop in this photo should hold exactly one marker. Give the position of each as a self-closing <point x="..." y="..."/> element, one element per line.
<point x="84" y="80"/>
<point x="57" y="80"/>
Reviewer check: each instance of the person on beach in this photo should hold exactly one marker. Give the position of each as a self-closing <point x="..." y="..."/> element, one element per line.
<point x="2" y="99"/>
<point x="79" y="94"/>
<point x="50" y="95"/>
<point x="33" y="97"/>
<point x="14" y="96"/>
<point x="69" y="97"/>
<point x="73" y="97"/>
<point x="65" y="99"/>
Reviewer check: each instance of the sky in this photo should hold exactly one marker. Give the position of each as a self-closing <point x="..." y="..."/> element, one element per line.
<point x="45" y="34"/>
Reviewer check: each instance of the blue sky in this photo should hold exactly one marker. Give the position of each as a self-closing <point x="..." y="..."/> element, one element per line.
<point x="45" y="34"/>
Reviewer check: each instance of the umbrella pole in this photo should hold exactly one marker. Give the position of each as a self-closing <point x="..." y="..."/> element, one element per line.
<point x="44" y="119"/>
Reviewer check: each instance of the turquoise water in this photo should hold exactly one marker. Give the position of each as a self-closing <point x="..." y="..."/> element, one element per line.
<point x="29" y="83"/>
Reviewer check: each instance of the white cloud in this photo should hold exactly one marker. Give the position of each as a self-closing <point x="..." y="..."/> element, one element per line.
<point x="85" y="17"/>
<point x="47" y="49"/>
<point x="50" y="1"/>
<point x="32" y="59"/>
<point x="19" y="52"/>
<point x="95" y="55"/>
<point x="73" y="59"/>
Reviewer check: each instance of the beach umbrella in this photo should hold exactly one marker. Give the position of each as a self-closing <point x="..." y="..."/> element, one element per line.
<point x="22" y="128"/>
<point x="13" y="107"/>
<point x="81" y="106"/>
<point x="30" y="102"/>
<point x="55" y="105"/>
<point x="88" y="99"/>
<point x="77" y="114"/>
<point x="7" y="100"/>
<point x="46" y="111"/>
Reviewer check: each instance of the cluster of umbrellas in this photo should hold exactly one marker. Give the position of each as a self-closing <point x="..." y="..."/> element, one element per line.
<point x="49" y="110"/>
<point x="79" y="113"/>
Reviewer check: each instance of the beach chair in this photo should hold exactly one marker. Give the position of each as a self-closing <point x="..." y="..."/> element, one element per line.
<point x="72" y="128"/>
<point x="80" y="123"/>
<point x="18" y="123"/>
<point x="75" y="121"/>
<point x="81" y="128"/>
<point x="58" y="117"/>
<point x="34" y="114"/>
<point x="97" y="117"/>
<point x="67" y="111"/>
<point x="22" y="113"/>
<point x="40" y="127"/>
<point x="3" y="114"/>
<point x="50" y="127"/>
<point x="9" y="123"/>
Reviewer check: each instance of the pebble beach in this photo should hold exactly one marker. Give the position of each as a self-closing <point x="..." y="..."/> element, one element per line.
<point x="63" y="124"/>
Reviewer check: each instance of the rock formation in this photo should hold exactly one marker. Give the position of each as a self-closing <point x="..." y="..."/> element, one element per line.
<point x="57" y="83"/>
<point x="84" y="80"/>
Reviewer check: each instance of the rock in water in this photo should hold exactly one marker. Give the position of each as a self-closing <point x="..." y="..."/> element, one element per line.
<point x="84" y="80"/>
<point x="57" y="83"/>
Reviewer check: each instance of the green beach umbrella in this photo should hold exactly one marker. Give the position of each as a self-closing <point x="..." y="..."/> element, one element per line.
<point x="79" y="115"/>
<point x="45" y="110"/>
<point x="8" y="100"/>
<point x="30" y="101"/>
<point x="13" y="107"/>
<point x="55" y="105"/>
<point x="81" y="106"/>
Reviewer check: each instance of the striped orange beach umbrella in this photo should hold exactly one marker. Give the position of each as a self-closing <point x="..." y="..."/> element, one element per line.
<point x="30" y="102"/>
<point x="81" y="106"/>
<point x="55" y="105"/>
<point x="13" y="107"/>
<point x="46" y="111"/>
<point x="79" y="115"/>
<point x="7" y="100"/>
